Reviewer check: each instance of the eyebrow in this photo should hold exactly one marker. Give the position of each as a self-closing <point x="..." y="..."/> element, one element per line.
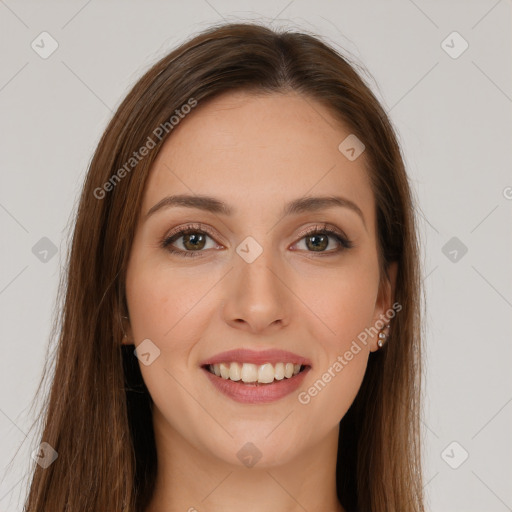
<point x="295" y="207"/>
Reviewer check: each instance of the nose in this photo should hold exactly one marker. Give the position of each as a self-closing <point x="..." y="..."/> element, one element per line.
<point x="257" y="296"/>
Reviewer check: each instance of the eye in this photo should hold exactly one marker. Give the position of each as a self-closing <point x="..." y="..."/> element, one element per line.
<point x="194" y="240"/>
<point x="317" y="240"/>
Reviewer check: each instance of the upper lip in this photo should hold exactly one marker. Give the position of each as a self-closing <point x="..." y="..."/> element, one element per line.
<point x="260" y="357"/>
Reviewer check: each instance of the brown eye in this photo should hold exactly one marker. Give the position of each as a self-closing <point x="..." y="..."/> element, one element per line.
<point x="194" y="241"/>
<point x="318" y="239"/>
<point x="191" y="239"/>
<point x="317" y="242"/>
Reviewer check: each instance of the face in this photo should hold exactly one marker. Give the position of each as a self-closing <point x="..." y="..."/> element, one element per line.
<point x="254" y="279"/>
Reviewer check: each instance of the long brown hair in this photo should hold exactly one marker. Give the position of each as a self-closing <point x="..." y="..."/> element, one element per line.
<point x="97" y="414"/>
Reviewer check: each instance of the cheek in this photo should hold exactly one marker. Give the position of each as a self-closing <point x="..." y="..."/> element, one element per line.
<point x="172" y="309"/>
<point x="343" y="301"/>
<point x="345" y="304"/>
<point x="328" y="395"/>
<point x="167" y="308"/>
<point x="346" y="311"/>
<point x="161" y="302"/>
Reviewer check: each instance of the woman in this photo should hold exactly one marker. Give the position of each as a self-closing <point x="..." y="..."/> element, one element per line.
<point x="247" y="225"/>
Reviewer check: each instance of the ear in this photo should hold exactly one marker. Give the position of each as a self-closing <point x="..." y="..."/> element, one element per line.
<point x="385" y="297"/>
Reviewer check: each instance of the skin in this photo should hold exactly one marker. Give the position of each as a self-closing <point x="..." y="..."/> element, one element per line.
<point x="255" y="153"/>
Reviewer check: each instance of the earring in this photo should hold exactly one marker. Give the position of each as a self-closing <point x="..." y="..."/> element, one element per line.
<point x="125" y="337"/>
<point x="382" y="336"/>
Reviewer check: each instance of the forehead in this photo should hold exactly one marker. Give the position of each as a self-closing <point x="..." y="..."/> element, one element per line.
<point x="258" y="152"/>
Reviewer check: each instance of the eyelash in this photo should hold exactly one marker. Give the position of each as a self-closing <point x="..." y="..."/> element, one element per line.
<point x="344" y="242"/>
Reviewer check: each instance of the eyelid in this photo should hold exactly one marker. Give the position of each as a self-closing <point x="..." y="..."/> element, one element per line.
<point x="323" y="226"/>
<point x="204" y="227"/>
<point x="193" y="225"/>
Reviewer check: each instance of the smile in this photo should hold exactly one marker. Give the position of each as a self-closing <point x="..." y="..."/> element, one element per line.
<point x="252" y="373"/>
<point x="256" y="377"/>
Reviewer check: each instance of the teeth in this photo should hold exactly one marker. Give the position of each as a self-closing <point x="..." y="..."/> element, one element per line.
<point x="248" y="372"/>
<point x="279" y="371"/>
<point x="266" y="373"/>
<point x="234" y="371"/>
<point x="223" y="368"/>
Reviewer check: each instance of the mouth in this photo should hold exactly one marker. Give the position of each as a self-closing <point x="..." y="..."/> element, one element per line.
<point x="255" y="375"/>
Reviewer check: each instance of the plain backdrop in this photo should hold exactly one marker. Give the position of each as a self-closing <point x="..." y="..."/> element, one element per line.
<point x="451" y="107"/>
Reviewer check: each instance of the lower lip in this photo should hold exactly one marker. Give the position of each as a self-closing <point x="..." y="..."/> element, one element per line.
<point x="254" y="393"/>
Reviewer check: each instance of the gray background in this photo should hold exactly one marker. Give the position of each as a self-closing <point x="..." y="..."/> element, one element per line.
<point x="453" y="119"/>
